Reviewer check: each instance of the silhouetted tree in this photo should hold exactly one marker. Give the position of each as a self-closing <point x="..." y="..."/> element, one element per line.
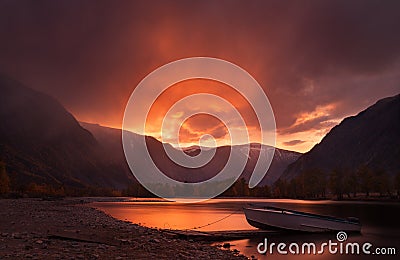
<point x="381" y="182"/>
<point x="397" y="184"/>
<point x="241" y="188"/>
<point x="314" y="183"/>
<point x="267" y="191"/>
<point x="293" y="191"/>
<point x="336" y="183"/>
<point x="366" y="179"/>
<point x="310" y="183"/>
<point x="351" y="183"/>
<point x="280" y="189"/>
<point x="137" y="190"/>
<point x="4" y="179"/>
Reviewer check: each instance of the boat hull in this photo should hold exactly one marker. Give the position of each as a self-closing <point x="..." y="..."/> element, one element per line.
<point x="288" y="220"/>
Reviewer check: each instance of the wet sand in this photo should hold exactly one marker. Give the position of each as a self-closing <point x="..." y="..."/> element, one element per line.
<point x="70" y="229"/>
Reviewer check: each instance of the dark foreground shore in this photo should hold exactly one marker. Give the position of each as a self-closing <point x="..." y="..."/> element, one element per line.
<point x="69" y="229"/>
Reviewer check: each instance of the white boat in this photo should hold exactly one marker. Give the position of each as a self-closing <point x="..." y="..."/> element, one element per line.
<point x="278" y="218"/>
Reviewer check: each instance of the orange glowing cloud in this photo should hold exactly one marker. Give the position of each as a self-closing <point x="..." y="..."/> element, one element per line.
<point x="194" y="128"/>
<point x="309" y="128"/>
<point x="190" y="123"/>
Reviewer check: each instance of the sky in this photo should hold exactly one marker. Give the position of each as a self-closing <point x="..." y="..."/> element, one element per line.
<point x="317" y="61"/>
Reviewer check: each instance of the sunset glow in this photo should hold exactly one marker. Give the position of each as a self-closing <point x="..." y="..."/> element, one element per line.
<point x="313" y="78"/>
<point x="194" y="127"/>
<point x="199" y="129"/>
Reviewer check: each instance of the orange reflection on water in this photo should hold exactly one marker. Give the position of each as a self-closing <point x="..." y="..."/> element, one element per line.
<point x="176" y="216"/>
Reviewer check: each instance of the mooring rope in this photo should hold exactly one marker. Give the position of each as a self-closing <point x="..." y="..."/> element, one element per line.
<point x="219" y="220"/>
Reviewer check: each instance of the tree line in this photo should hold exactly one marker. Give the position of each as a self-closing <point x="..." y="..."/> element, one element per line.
<point x="9" y="187"/>
<point x="339" y="184"/>
<point x="310" y="184"/>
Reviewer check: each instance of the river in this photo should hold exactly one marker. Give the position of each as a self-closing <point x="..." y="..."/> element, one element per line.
<point x="380" y="223"/>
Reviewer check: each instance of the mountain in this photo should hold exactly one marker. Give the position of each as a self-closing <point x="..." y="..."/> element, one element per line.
<point x="111" y="139"/>
<point x="41" y="142"/>
<point x="369" y="139"/>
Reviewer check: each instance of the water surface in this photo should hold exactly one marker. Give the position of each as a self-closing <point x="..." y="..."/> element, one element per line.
<point x="380" y="221"/>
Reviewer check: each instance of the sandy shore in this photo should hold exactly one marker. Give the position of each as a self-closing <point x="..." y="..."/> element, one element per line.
<point x="69" y="229"/>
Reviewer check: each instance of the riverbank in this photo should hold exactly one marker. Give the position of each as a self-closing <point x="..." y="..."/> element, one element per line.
<point x="69" y="229"/>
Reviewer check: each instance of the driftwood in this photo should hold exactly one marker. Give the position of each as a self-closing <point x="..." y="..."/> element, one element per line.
<point x="217" y="235"/>
<point x="70" y="236"/>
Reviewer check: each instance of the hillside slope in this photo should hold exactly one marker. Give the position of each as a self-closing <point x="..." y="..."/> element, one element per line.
<point x="369" y="139"/>
<point x="42" y="142"/>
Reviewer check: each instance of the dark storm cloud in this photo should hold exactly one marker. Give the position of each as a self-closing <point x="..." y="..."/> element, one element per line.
<point x="315" y="123"/>
<point x="293" y="142"/>
<point x="305" y="54"/>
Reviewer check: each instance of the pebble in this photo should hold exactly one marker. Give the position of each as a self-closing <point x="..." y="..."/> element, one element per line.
<point x="16" y="236"/>
<point x="154" y="240"/>
<point x="226" y="245"/>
